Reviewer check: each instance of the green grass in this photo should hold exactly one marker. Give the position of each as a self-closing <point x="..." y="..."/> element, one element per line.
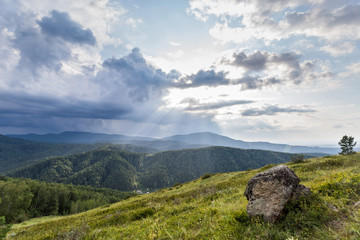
<point x="214" y="207"/>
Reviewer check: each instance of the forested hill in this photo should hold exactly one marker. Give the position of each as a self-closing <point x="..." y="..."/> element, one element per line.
<point x="168" y="168"/>
<point x="125" y="171"/>
<point x="24" y="198"/>
<point x="15" y="152"/>
<point x="108" y="168"/>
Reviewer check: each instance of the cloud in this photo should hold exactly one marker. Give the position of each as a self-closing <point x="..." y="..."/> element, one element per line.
<point x="37" y="50"/>
<point x="203" y="9"/>
<point x="42" y="45"/>
<point x="260" y="60"/>
<point x="339" y="49"/>
<point x="54" y="79"/>
<point x="142" y="80"/>
<point x="279" y="19"/>
<point x="274" y="110"/>
<point x="59" y="24"/>
<point x="256" y="82"/>
<point x="255" y="61"/>
<point x="20" y="103"/>
<point x="259" y="69"/>
<point x="7" y="52"/>
<point x="176" y="54"/>
<point x="267" y="68"/>
<point x="331" y="24"/>
<point x="195" y="105"/>
<point x="175" y="44"/>
<point x="352" y="69"/>
<point x="124" y="91"/>
<point x="134" y="22"/>
<point x="209" y="78"/>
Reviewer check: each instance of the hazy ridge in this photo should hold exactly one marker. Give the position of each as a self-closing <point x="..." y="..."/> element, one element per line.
<point x="175" y="142"/>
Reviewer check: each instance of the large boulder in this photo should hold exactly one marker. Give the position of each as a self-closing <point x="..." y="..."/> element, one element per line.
<point x="268" y="192"/>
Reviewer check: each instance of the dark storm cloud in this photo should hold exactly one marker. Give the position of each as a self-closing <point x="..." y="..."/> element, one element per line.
<point x="59" y="24"/>
<point x="38" y="51"/>
<point x="42" y="43"/>
<point x="142" y="80"/>
<point x="195" y="105"/>
<point x="126" y="88"/>
<point x="273" y="110"/>
<point x="209" y="78"/>
<point x="71" y="107"/>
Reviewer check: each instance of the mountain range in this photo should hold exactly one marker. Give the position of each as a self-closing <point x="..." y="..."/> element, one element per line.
<point x="195" y="140"/>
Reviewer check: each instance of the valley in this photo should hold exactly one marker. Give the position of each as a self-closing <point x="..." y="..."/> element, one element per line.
<point x="182" y="185"/>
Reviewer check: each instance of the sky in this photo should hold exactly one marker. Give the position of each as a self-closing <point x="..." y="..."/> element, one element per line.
<point x="283" y="71"/>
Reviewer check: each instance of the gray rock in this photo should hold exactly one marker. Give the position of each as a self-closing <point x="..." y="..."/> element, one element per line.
<point x="301" y="190"/>
<point x="268" y="192"/>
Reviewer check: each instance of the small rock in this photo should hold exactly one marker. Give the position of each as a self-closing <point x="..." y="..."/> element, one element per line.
<point x="269" y="191"/>
<point x="357" y="204"/>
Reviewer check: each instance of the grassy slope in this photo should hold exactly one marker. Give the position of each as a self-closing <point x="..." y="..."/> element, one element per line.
<point x="214" y="208"/>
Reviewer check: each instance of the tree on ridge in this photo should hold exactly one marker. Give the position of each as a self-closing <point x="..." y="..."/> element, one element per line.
<point x="347" y="145"/>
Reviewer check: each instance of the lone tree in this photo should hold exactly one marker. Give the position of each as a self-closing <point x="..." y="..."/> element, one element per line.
<point x="346" y="144"/>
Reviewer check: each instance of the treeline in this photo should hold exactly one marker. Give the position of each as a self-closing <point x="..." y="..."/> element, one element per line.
<point x="22" y="199"/>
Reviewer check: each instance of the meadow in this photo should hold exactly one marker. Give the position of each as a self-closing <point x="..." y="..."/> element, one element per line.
<point x="214" y="207"/>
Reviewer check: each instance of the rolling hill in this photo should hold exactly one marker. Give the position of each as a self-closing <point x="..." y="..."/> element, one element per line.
<point x="214" y="207"/>
<point x="98" y="168"/>
<point x="15" y="152"/>
<point x="126" y="171"/>
<point x="167" y="168"/>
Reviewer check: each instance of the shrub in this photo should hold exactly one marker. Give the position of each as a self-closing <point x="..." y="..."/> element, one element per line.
<point x="297" y="158"/>
<point x="206" y="175"/>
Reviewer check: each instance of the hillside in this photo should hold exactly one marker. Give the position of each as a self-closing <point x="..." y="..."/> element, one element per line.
<point x="214" y="207"/>
<point x="122" y="170"/>
<point x="24" y="198"/>
<point x="98" y="168"/>
<point x="15" y="153"/>
<point x="165" y="169"/>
